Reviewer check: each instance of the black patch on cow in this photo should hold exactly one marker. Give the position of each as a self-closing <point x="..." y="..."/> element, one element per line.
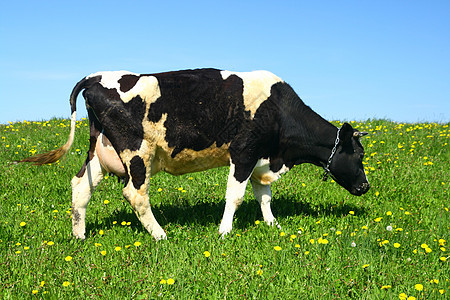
<point x="95" y="129"/>
<point x="127" y="82"/>
<point x="201" y="108"/>
<point x="137" y="172"/>
<point x="122" y="122"/>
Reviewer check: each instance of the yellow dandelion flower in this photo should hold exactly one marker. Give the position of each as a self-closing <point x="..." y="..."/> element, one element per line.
<point x="378" y="219"/>
<point x="159" y="189"/>
<point x="137" y="244"/>
<point x="97" y="244"/>
<point x="50" y="243"/>
<point x="106" y="202"/>
<point x="257" y="222"/>
<point x="118" y="248"/>
<point x="385" y="287"/>
<point x="170" y="281"/>
<point x="434" y="281"/>
<point x="365" y="266"/>
<point x="397" y="245"/>
<point x="293" y="236"/>
<point x="123" y="223"/>
<point x="443" y="258"/>
<point x="442" y="291"/>
<point x="418" y="287"/>
<point x="42" y="283"/>
<point x="351" y="212"/>
<point x="259" y="272"/>
<point x="101" y="232"/>
<point x="297" y="246"/>
<point x="206" y="254"/>
<point x="389" y="213"/>
<point x="311" y="241"/>
<point x="66" y="283"/>
<point x="402" y="296"/>
<point x="22" y="224"/>
<point x="338" y="232"/>
<point x="103" y="252"/>
<point x="306" y="252"/>
<point x="68" y="258"/>
<point x="282" y="233"/>
<point x="277" y="248"/>
<point x="162" y="281"/>
<point x="423" y="246"/>
<point x="34" y="292"/>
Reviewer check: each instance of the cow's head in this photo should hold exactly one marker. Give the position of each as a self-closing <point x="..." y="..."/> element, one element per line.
<point x="346" y="166"/>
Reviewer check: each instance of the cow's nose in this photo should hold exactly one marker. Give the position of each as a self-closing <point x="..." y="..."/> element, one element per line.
<point x="364" y="187"/>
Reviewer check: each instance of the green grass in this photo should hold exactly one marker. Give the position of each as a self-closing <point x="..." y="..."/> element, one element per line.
<point x="331" y="246"/>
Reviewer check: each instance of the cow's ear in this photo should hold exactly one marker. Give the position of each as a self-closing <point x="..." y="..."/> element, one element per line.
<point x="346" y="132"/>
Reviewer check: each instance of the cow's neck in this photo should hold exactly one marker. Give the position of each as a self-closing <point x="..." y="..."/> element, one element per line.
<point x="310" y="140"/>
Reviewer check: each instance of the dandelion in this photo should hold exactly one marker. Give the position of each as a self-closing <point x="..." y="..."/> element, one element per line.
<point x="385" y="287"/>
<point x="257" y="222"/>
<point x="101" y="232"/>
<point x="293" y="236"/>
<point x="97" y="244"/>
<point x="402" y="296"/>
<point x="259" y="272"/>
<point x="396" y="245"/>
<point x="282" y="233"/>
<point x="123" y="223"/>
<point x="306" y="252"/>
<point x="159" y="189"/>
<point x="22" y="224"/>
<point x="434" y="281"/>
<point x="106" y="202"/>
<point x="66" y="283"/>
<point x="170" y="281"/>
<point x="297" y="246"/>
<point x="365" y="266"/>
<point x="34" y="292"/>
<point x="311" y="241"/>
<point x="137" y="244"/>
<point x="353" y="244"/>
<point x="389" y="228"/>
<point x="378" y="219"/>
<point x="42" y="283"/>
<point x="418" y="287"/>
<point x="68" y="258"/>
<point x="277" y="248"/>
<point x="351" y="212"/>
<point x="162" y="281"/>
<point x="50" y="243"/>
<point x="338" y="232"/>
<point x="206" y="254"/>
<point x="443" y="258"/>
<point x="322" y="241"/>
<point x="103" y="252"/>
<point x="118" y="248"/>
<point x="428" y="250"/>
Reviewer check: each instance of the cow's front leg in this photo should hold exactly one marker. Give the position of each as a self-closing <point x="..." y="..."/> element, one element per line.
<point x="263" y="195"/>
<point x="82" y="186"/>
<point x="234" y="197"/>
<point x="136" y="192"/>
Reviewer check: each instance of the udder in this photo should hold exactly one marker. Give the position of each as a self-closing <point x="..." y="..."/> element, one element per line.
<point x="108" y="156"/>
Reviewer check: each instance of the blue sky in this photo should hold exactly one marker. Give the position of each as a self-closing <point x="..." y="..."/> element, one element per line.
<point x="348" y="60"/>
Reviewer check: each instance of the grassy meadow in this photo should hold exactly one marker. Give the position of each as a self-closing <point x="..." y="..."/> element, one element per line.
<point x="391" y="243"/>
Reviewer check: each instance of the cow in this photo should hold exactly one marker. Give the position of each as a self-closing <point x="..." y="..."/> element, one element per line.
<point x="193" y="120"/>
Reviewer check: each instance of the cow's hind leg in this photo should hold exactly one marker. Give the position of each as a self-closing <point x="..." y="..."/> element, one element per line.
<point x="83" y="184"/>
<point x="263" y="195"/>
<point x="136" y="192"/>
<point x="234" y="197"/>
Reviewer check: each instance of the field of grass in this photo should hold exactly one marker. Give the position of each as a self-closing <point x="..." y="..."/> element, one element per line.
<point x="391" y="243"/>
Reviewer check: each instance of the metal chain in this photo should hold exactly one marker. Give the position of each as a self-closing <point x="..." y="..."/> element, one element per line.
<point x="327" y="171"/>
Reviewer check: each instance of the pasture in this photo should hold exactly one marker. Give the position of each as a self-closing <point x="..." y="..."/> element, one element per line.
<point x="390" y="243"/>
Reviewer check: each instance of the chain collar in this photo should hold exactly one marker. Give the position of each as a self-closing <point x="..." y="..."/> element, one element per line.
<point x="327" y="171"/>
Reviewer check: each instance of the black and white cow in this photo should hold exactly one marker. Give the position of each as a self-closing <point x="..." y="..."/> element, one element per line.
<point x="193" y="120"/>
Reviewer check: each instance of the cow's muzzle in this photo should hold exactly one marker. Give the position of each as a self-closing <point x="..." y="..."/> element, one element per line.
<point x="360" y="190"/>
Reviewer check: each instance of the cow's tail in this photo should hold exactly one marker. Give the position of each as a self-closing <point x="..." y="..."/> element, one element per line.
<point x="55" y="155"/>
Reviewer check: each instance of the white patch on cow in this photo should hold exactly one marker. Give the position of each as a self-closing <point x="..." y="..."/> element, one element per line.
<point x="263" y="195"/>
<point x="234" y="196"/>
<point x="263" y="175"/>
<point x="108" y="157"/>
<point x="257" y="85"/>
<point x="147" y="86"/>
<point x="82" y="189"/>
